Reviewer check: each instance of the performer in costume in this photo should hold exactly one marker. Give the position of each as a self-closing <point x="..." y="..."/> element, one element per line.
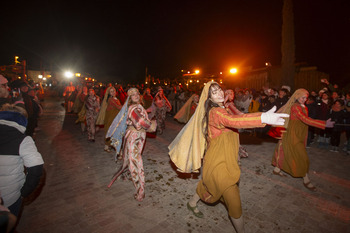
<point x="159" y="108"/>
<point x="112" y="110"/>
<point x="67" y="94"/>
<point x="80" y="108"/>
<point x="132" y="121"/>
<point x="92" y="105"/>
<point x="147" y="98"/>
<point x="231" y="108"/>
<point x="208" y="131"/>
<point x="187" y="111"/>
<point x="290" y="154"/>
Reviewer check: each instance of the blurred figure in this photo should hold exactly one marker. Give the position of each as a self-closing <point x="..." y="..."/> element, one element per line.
<point x="338" y="115"/>
<point x="282" y="98"/>
<point x="92" y="105"/>
<point x="68" y="91"/>
<point x="147" y="98"/>
<point x="323" y="107"/>
<point x="159" y="108"/>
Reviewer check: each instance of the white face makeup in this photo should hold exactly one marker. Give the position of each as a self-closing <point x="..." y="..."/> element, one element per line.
<point x="135" y="97"/>
<point x="303" y="99"/>
<point x="217" y="94"/>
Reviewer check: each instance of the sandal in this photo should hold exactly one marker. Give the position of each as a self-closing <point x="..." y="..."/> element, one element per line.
<point x="198" y="214"/>
<point x="313" y="188"/>
<point x="279" y="173"/>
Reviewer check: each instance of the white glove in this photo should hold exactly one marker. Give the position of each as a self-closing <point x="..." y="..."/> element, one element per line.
<point x="329" y="123"/>
<point x="272" y="118"/>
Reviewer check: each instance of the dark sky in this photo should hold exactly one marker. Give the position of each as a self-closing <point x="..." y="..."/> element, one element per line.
<point x="118" y="39"/>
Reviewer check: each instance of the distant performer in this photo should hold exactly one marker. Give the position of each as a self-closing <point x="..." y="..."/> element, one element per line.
<point x="159" y="108"/>
<point x="290" y="154"/>
<point x="69" y="101"/>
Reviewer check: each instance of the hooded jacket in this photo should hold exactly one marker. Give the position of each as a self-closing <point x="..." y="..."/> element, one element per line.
<point x="17" y="151"/>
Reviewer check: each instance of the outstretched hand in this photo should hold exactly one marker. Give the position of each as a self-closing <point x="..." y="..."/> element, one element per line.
<point x="272" y="118"/>
<point x="330" y="123"/>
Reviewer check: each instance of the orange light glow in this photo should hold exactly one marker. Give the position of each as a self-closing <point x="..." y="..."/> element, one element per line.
<point x="233" y="70"/>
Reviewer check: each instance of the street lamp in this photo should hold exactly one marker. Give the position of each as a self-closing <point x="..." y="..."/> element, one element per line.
<point x="233" y="70"/>
<point x="196" y="71"/>
<point x="68" y="74"/>
<point x="16" y="60"/>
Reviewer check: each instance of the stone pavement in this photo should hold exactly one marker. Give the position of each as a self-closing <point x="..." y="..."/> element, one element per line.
<point x="75" y="197"/>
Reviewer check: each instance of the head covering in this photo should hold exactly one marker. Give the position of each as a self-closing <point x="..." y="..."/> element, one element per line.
<point x="286" y="87"/>
<point x="187" y="149"/>
<point x="287" y="107"/>
<point x="183" y="115"/>
<point x="118" y="127"/>
<point x="15" y="117"/>
<point x="132" y="91"/>
<point x="101" y="115"/>
<point x="3" y="80"/>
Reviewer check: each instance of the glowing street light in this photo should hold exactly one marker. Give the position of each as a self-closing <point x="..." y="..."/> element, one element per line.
<point x="68" y="74"/>
<point x="40" y="76"/>
<point x="196" y="71"/>
<point x="16" y="60"/>
<point x="233" y="70"/>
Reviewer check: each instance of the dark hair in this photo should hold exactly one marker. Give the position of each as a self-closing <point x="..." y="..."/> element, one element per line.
<point x="208" y="105"/>
<point x="340" y="101"/>
<point x="311" y="97"/>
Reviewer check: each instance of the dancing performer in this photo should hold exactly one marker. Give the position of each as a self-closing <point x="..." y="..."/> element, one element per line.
<point x="209" y="132"/>
<point x="290" y="154"/>
<point x="159" y="108"/>
<point x="187" y="111"/>
<point x="132" y="121"/>
<point x="111" y="111"/>
<point x="92" y="105"/>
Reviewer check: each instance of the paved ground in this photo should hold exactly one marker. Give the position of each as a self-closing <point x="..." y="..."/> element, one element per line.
<point x="75" y="197"/>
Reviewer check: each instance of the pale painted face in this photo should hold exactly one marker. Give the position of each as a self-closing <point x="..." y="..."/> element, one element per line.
<point x="112" y="92"/>
<point x="135" y="97"/>
<point x="217" y="94"/>
<point x="303" y="98"/>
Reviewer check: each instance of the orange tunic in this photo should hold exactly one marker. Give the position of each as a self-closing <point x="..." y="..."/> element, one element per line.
<point x="220" y="167"/>
<point x="290" y="153"/>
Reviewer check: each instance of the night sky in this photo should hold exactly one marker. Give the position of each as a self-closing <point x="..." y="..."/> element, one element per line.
<point x="116" y="40"/>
